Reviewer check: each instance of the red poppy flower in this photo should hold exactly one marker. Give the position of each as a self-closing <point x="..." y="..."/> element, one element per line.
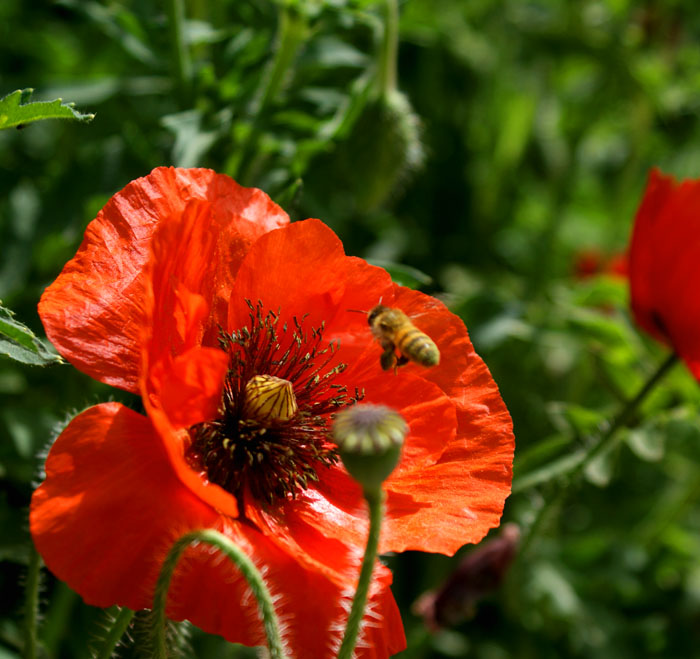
<point x="664" y="265"/>
<point x="185" y="288"/>
<point x="592" y="262"/>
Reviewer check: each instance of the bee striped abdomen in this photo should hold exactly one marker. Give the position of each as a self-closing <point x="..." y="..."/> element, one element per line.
<point x="417" y="346"/>
<point x="394" y="331"/>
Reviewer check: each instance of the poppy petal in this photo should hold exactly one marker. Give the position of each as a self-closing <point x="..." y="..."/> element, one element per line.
<point x="429" y="412"/>
<point x="450" y="487"/>
<point x="302" y="269"/>
<point x="480" y="457"/>
<point x="109" y="483"/>
<point x="335" y="506"/>
<point x="93" y="312"/>
<point x="663" y="265"/>
<point x="210" y="593"/>
<point x="191" y="390"/>
<point x="658" y="193"/>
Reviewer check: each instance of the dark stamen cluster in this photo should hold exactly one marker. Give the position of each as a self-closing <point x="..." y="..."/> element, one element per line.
<point x="273" y="458"/>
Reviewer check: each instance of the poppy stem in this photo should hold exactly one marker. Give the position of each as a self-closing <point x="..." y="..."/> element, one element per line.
<point x="180" y="53"/>
<point x="119" y="626"/>
<point x="375" y="500"/>
<point x="388" y="56"/>
<point x="243" y="563"/>
<point x="576" y="468"/>
<point x="31" y="604"/>
<point x="625" y="415"/>
<point x="291" y="34"/>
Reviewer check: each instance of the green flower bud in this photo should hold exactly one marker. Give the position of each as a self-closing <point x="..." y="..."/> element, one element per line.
<point x="369" y="438"/>
<point x="380" y="153"/>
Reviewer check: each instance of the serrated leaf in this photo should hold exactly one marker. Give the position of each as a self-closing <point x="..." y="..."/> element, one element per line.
<point x="16" y="111"/>
<point x="18" y="342"/>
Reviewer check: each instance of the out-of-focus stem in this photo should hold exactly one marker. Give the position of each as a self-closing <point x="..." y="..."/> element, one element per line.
<point x="180" y="53"/>
<point x="31" y="604"/>
<point x="291" y="33"/>
<point x="375" y="500"/>
<point x="603" y="443"/>
<point x="388" y="58"/>
<point x="623" y="418"/>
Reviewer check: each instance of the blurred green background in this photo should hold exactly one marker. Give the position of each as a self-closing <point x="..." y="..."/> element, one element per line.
<point x="516" y="147"/>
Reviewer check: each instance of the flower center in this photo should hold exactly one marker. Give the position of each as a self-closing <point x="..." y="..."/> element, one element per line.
<point x="272" y="435"/>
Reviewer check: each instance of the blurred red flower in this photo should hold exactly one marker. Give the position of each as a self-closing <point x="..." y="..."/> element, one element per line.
<point x="185" y="286"/>
<point x="478" y="574"/>
<point x="592" y="262"/>
<point x="664" y="265"/>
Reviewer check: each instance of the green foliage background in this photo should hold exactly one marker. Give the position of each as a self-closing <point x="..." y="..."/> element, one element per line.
<point x="524" y="138"/>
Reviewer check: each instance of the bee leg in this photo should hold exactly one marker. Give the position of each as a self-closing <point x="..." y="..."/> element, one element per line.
<point x="398" y="361"/>
<point x="388" y="360"/>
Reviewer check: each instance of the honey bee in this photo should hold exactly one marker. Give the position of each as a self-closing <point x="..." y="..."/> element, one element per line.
<point x="394" y="331"/>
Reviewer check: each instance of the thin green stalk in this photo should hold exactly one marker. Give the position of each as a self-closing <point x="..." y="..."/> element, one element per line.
<point x="248" y="570"/>
<point x="375" y="500"/>
<point x="31" y="604"/>
<point x="57" y="617"/>
<point x="625" y="415"/>
<point x="291" y="34"/>
<point x="388" y="56"/>
<point x="606" y="439"/>
<point x="180" y="53"/>
<point x="119" y="626"/>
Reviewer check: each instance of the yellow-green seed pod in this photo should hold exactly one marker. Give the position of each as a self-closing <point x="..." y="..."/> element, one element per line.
<point x="369" y="438"/>
<point x="269" y="398"/>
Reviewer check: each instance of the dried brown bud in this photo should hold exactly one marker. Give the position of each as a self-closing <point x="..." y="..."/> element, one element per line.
<point x="478" y="574"/>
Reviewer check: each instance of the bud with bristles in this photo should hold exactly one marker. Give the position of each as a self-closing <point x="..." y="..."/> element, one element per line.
<point x="382" y="151"/>
<point x="369" y="439"/>
<point x="269" y="399"/>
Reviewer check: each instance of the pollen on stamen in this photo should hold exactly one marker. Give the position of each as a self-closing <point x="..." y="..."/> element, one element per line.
<point x="272" y="435"/>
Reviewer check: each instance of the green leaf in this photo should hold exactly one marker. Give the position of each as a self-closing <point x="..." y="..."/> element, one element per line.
<point x="599" y="470"/>
<point x="404" y="275"/>
<point x="19" y="343"/>
<point x="648" y="442"/>
<point x="16" y="112"/>
<point x="570" y="417"/>
<point x="562" y="466"/>
<point x="598" y="326"/>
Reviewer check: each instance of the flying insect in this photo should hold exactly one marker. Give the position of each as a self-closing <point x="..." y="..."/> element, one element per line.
<point x="396" y="333"/>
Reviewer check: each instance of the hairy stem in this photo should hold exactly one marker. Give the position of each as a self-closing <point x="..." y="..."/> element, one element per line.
<point x="242" y="562"/>
<point x="375" y="501"/>
<point x="116" y="631"/>
<point x="31" y="604"/>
